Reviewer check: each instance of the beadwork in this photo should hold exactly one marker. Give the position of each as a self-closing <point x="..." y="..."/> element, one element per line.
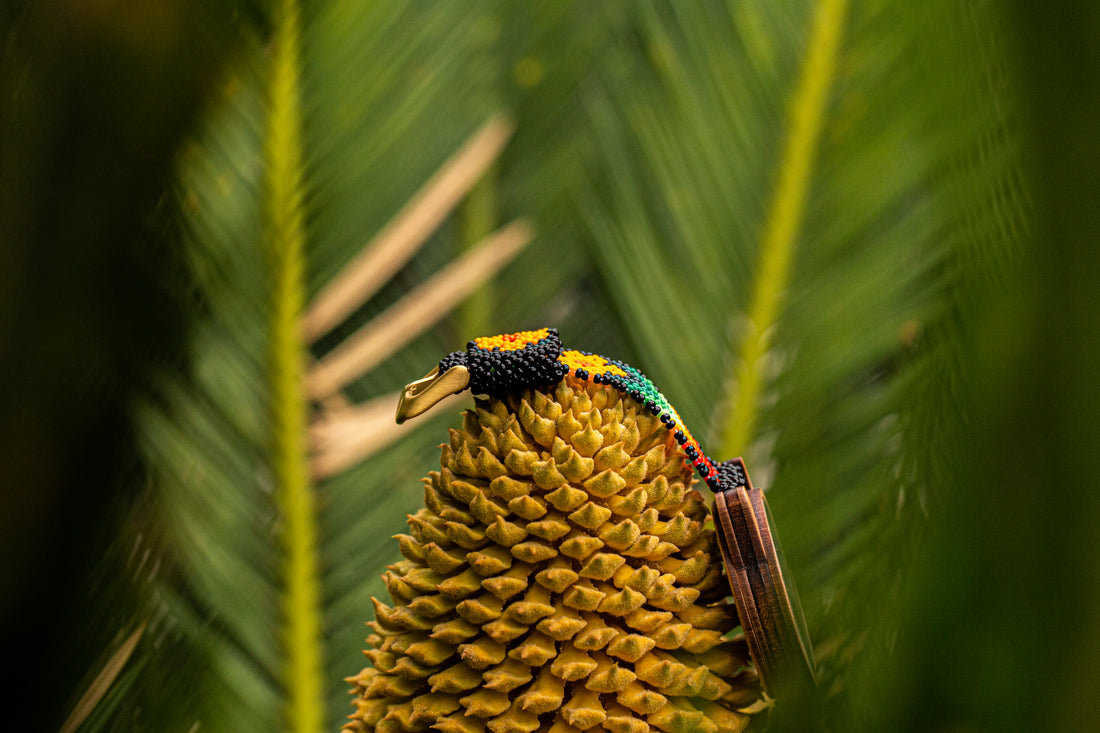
<point x="501" y="364"/>
<point x="498" y="366"/>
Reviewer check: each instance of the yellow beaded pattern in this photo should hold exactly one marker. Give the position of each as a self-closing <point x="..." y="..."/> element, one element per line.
<point x="589" y="362"/>
<point x="511" y="341"/>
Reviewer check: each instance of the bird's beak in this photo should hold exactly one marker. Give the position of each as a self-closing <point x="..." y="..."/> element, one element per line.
<point x="419" y="396"/>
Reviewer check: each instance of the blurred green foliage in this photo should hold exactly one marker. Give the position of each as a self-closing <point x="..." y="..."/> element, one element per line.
<point x="929" y="402"/>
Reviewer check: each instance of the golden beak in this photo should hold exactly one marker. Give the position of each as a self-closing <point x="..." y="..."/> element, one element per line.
<point x="421" y="395"/>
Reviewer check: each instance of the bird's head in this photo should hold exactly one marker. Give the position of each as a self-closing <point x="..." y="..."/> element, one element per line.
<point x="490" y="365"/>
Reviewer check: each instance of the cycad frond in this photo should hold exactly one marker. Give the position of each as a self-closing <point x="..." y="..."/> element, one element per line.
<point x="274" y="559"/>
<point x="255" y="538"/>
<point x="811" y="269"/>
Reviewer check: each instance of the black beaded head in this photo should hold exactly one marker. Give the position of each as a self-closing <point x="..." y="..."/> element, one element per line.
<point x="502" y="364"/>
<point x="490" y="365"/>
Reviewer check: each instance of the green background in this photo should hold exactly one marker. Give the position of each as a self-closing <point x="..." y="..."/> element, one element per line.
<point x="927" y="410"/>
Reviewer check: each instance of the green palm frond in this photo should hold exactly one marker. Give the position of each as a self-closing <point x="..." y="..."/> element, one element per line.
<point x="812" y="266"/>
<point x="276" y="535"/>
<point x="261" y="524"/>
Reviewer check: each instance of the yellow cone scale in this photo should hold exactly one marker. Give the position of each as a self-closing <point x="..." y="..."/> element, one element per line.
<point x="559" y="578"/>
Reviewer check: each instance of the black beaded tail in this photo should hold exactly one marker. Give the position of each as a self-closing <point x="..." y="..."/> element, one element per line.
<point x="729" y="475"/>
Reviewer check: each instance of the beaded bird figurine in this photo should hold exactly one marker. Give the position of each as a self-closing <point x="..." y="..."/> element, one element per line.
<point x="497" y="365"/>
<point x="575" y="473"/>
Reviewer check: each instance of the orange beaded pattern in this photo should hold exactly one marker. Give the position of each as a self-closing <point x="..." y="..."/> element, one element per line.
<point x="511" y="341"/>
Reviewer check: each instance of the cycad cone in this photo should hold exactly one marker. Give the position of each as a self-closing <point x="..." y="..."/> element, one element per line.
<point x="558" y="579"/>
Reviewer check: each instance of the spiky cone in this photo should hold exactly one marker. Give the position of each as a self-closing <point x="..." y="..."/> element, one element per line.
<point x="559" y="578"/>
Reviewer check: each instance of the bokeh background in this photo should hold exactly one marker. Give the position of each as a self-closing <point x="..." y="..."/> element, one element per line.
<point x="853" y="240"/>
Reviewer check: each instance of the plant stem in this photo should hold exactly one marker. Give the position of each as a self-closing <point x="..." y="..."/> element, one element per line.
<point x="781" y="228"/>
<point x="294" y="494"/>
